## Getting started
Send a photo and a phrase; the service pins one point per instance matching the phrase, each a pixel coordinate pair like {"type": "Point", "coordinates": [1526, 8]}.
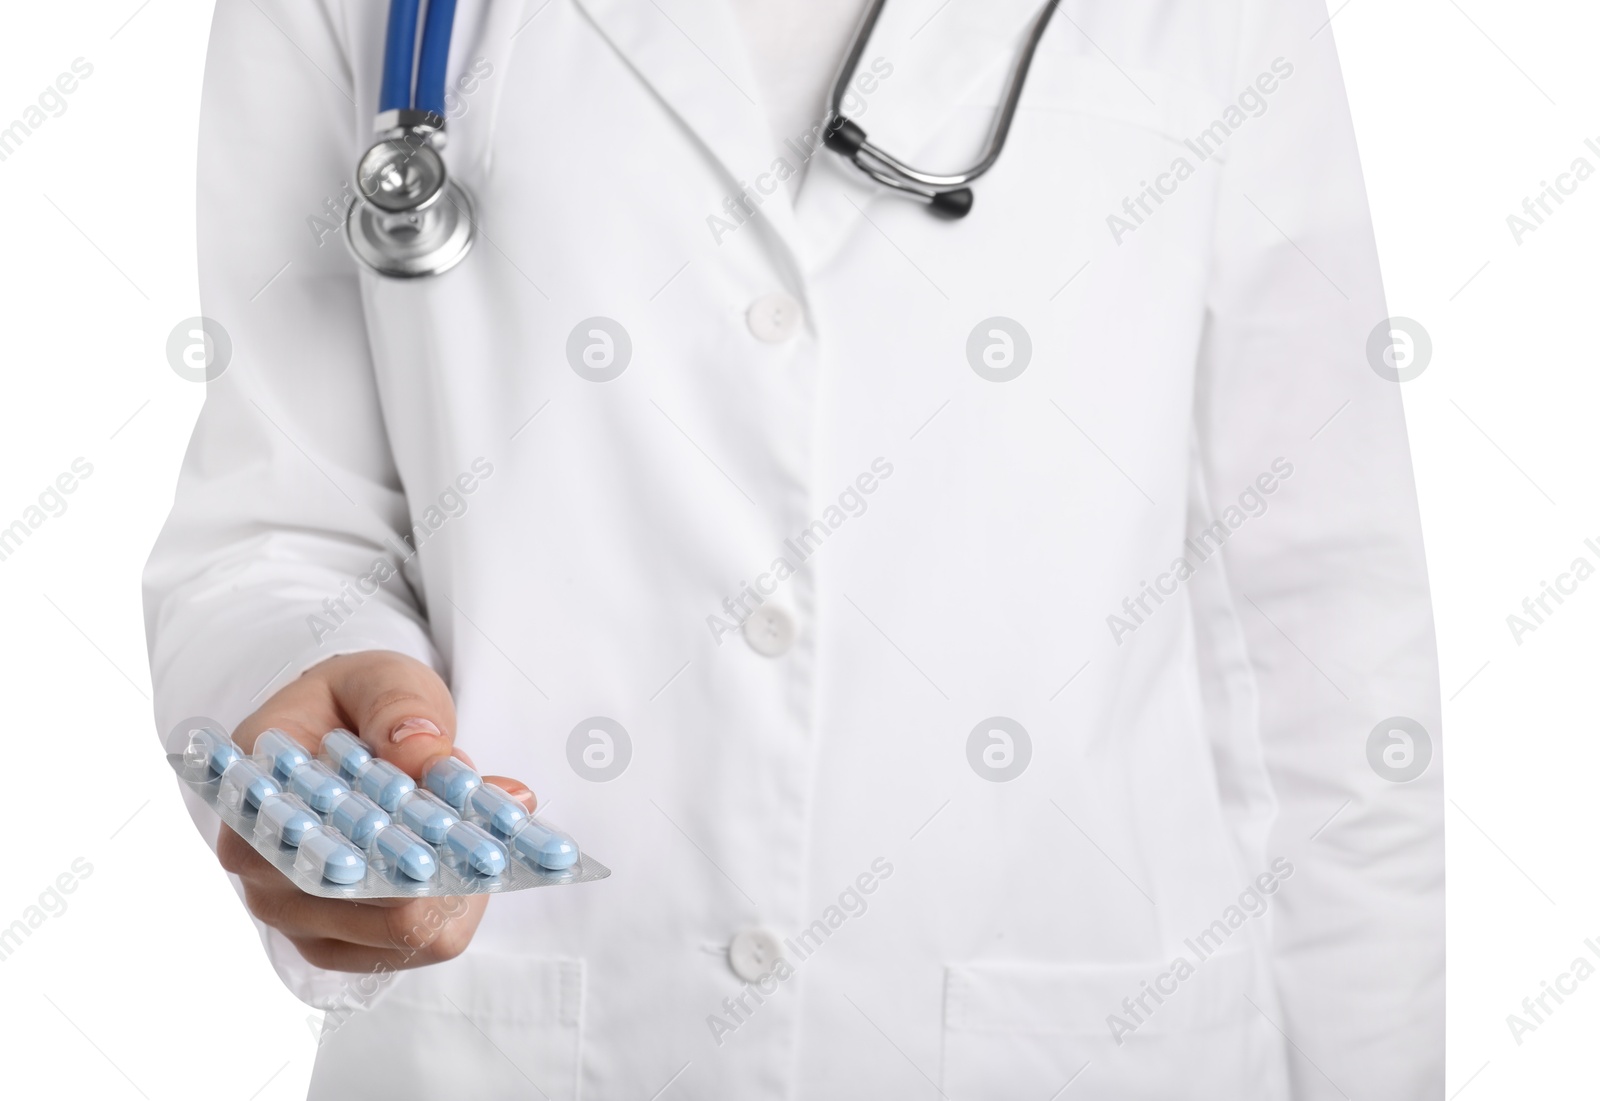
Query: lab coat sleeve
{"type": "Point", "coordinates": [1329, 584]}
{"type": "Point", "coordinates": [288, 496]}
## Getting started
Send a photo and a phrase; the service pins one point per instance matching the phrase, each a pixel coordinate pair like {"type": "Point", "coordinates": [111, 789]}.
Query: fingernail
{"type": "Point", "coordinates": [520, 792]}
{"type": "Point", "coordinates": [407, 727]}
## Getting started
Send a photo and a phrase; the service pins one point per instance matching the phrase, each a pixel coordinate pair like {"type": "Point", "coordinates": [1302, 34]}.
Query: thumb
{"type": "Point", "coordinates": [398, 706]}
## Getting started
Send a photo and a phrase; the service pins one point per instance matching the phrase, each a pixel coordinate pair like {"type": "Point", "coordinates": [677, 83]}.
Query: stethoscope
{"type": "Point", "coordinates": [410, 219]}
{"type": "Point", "coordinates": [950, 195]}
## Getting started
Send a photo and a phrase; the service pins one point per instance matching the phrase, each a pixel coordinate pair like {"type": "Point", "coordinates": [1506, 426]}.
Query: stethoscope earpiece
{"type": "Point", "coordinates": [952, 204]}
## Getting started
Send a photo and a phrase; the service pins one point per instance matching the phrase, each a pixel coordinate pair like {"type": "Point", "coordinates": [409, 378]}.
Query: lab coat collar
{"type": "Point", "coordinates": [694, 58]}
{"type": "Point", "coordinates": [959, 54]}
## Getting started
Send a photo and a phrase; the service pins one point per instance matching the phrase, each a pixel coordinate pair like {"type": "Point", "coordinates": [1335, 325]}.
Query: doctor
{"type": "Point", "coordinates": [993, 653]}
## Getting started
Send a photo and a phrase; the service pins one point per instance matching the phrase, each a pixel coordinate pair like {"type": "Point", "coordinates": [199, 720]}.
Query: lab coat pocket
{"type": "Point", "coordinates": [1026, 1030]}
{"type": "Point", "coordinates": [485, 1026]}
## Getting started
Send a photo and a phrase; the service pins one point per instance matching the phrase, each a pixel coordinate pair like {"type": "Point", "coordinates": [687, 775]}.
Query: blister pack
{"type": "Point", "coordinates": [346, 824]}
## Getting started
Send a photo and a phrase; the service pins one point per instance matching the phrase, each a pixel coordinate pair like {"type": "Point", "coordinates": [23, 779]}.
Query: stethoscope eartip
{"type": "Point", "coordinates": [952, 204]}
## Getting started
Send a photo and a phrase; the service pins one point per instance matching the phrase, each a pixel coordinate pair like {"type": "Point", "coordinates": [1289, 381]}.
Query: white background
{"type": "Point", "coordinates": [1463, 108]}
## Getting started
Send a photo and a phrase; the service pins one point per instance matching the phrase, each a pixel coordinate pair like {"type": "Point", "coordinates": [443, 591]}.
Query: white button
{"type": "Point", "coordinates": [774, 318]}
{"type": "Point", "coordinates": [754, 952]}
{"type": "Point", "coordinates": [769, 631]}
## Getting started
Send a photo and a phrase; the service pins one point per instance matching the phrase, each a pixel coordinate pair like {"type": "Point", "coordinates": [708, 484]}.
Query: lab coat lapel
{"type": "Point", "coordinates": [940, 61]}
{"type": "Point", "coordinates": [693, 56]}
{"type": "Point", "coordinates": [486, 32]}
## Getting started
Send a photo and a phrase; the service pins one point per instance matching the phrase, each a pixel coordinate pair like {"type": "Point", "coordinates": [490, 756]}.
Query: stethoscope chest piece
{"type": "Point", "coordinates": [409, 218]}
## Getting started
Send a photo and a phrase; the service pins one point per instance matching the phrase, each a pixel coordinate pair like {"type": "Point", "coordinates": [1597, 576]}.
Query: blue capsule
{"type": "Point", "coordinates": [451, 780]}
{"type": "Point", "coordinates": [541, 845]}
{"type": "Point", "coordinates": [357, 817]}
{"type": "Point", "coordinates": [316, 784]}
{"type": "Point", "coordinates": [500, 810]}
{"type": "Point", "coordinates": [346, 752]}
{"type": "Point", "coordinates": [405, 851]}
{"type": "Point", "coordinates": [471, 846]}
{"type": "Point", "coordinates": [383, 783]}
{"type": "Point", "coordinates": [285, 818]}
{"type": "Point", "coordinates": [282, 752]}
{"type": "Point", "coordinates": [427, 814]}
{"type": "Point", "coordinates": [244, 785]}
{"type": "Point", "coordinates": [326, 855]}
{"type": "Point", "coordinates": [212, 748]}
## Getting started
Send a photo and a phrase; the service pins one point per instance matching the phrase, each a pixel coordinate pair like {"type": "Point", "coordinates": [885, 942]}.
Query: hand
{"type": "Point", "coordinates": [403, 712]}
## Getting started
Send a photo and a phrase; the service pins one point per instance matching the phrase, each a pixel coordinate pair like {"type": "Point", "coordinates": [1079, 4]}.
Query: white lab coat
{"type": "Point", "coordinates": [1179, 751]}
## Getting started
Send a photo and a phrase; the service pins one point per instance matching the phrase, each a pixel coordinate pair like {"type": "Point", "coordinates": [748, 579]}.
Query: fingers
{"type": "Point", "coordinates": [298, 915]}
{"type": "Point", "coordinates": [342, 935]}
{"type": "Point", "coordinates": [337, 955]}
{"type": "Point", "coordinates": [403, 712]}
{"type": "Point", "coordinates": [403, 932]}
{"type": "Point", "coordinates": [304, 709]}
{"type": "Point", "coordinates": [516, 789]}
{"type": "Point", "coordinates": [333, 955]}
{"type": "Point", "coordinates": [239, 857]}
{"type": "Point", "coordinates": [415, 925]}
{"type": "Point", "coordinates": [398, 706]}
{"type": "Point", "coordinates": [270, 896]}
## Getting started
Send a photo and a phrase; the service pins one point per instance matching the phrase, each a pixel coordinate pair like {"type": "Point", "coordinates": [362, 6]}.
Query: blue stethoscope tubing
{"type": "Point", "coordinates": [400, 52]}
